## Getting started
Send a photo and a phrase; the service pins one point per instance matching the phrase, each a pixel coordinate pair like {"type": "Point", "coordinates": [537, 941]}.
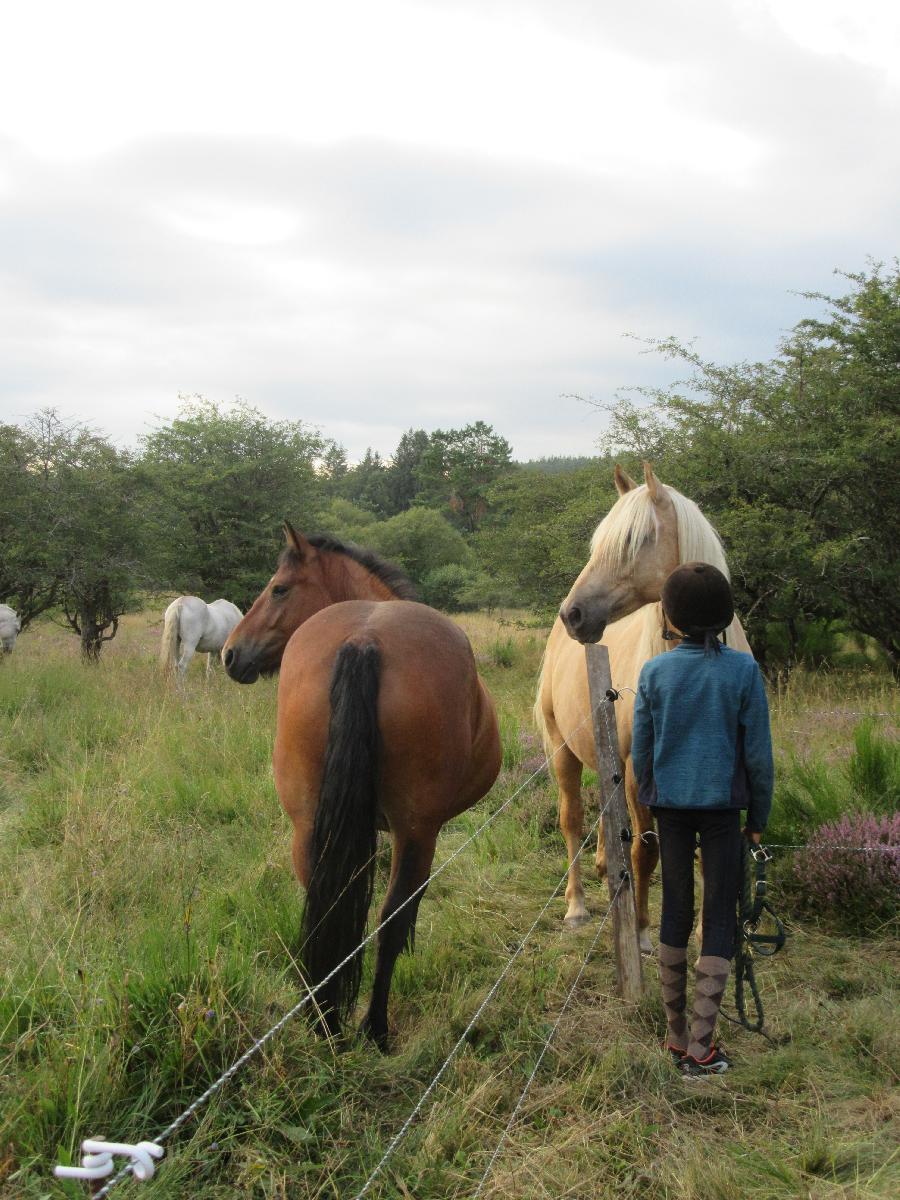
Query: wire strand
{"type": "Point", "coordinates": [407, 1124]}
{"type": "Point", "coordinates": [546, 1045]}
{"type": "Point", "coordinates": [308, 996]}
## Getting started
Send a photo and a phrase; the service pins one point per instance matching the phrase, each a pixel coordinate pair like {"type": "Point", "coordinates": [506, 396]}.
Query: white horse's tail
{"type": "Point", "coordinates": [168, 651]}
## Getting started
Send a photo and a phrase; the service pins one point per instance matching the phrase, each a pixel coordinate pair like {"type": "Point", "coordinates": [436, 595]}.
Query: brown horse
{"type": "Point", "coordinates": [383, 722]}
{"type": "Point", "coordinates": [615, 600]}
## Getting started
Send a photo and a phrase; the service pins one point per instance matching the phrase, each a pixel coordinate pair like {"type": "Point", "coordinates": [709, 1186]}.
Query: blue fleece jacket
{"type": "Point", "coordinates": [701, 735]}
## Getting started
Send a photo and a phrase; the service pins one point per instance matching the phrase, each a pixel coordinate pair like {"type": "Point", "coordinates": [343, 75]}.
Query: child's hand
{"type": "Point", "coordinates": [752, 835]}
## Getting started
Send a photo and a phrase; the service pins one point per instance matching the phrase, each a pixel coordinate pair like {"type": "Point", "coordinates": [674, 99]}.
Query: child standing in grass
{"type": "Point", "coordinates": [701, 752]}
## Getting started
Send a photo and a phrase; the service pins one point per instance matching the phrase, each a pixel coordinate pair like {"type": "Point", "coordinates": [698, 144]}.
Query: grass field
{"type": "Point", "coordinates": [147, 912]}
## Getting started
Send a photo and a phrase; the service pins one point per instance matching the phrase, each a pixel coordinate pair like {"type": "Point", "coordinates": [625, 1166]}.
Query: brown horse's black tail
{"type": "Point", "coordinates": [344, 834]}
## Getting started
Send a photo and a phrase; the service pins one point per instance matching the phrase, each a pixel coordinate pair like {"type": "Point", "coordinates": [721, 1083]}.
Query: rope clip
{"type": "Point", "coordinates": [97, 1160]}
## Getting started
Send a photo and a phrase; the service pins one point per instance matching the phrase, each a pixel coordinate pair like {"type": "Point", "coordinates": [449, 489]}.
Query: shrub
{"type": "Point", "coordinates": [445, 587]}
{"type": "Point", "coordinates": [419, 541]}
{"type": "Point", "coordinates": [503, 652]}
{"type": "Point", "coordinates": [856, 890]}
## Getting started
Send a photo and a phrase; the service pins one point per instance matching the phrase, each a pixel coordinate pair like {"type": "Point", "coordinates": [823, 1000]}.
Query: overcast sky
{"type": "Point", "coordinates": [373, 216]}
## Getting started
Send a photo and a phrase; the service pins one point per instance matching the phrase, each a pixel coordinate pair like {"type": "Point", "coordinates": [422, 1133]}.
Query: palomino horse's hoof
{"type": "Point", "coordinates": [576, 922]}
{"type": "Point", "coordinates": [645, 944]}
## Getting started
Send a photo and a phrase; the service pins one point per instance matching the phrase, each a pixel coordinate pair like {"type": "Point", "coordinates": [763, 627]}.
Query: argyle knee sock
{"type": "Point", "coordinates": [673, 980]}
{"type": "Point", "coordinates": [709, 988]}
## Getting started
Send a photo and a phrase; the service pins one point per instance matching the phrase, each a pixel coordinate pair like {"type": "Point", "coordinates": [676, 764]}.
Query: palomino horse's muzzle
{"type": "Point", "coordinates": [582, 624]}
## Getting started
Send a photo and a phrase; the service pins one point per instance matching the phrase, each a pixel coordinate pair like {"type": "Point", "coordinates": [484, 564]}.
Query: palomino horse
{"type": "Point", "coordinates": [10, 626]}
{"type": "Point", "coordinates": [382, 722]}
{"type": "Point", "coordinates": [192, 625]}
{"type": "Point", "coordinates": [615, 600]}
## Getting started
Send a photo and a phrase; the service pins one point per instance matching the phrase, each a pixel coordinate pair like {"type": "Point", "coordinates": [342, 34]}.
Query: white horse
{"type": "Point", "coordinates": [9, 628]}
{"type": "Point", "coordinates": [191, 625]}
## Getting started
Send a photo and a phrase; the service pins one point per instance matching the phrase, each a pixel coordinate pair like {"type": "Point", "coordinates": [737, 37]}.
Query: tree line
{"type": "Point", "coordinates": [793, 460]}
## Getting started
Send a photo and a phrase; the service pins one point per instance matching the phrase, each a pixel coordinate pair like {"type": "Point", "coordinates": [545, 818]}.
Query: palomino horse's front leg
{"type": "Point", "coordinates": [410, 864]}
{"type": "Point", "coordinates": [571, 822]}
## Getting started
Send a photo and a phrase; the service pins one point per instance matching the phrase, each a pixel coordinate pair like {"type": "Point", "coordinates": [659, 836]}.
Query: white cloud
{"type": "Point", "coordinates": [377, 216]}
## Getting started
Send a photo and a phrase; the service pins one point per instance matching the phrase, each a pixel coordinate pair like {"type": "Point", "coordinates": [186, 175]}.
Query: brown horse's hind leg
{"type": "Point", "coordinates": [571, 822]}
{"type": "Point", "coordinates": [644, 857]}
{"type": "Point", "coordinates": [410, 865]}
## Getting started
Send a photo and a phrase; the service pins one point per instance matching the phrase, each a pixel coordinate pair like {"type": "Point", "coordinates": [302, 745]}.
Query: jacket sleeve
{"type": "Point", "coordinates": [642, 731]}
{"type": "Point", "coordinates": [754, 716]}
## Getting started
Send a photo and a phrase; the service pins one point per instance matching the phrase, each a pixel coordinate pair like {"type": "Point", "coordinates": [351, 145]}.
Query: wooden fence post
{"type": "Point", "coordinates": [616, 824]}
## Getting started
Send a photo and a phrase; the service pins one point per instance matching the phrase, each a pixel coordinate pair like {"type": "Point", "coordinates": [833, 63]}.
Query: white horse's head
{"type": "Point", "coordinates": [641, 540]}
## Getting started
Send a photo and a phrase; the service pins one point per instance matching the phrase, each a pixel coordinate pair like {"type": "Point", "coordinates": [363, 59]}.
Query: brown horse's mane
{"type": "Point", "coordinates": [389, 574]}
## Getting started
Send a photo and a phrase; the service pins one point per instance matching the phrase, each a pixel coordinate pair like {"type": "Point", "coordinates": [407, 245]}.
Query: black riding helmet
{"type": "Point", "coordinates": [697, 598]}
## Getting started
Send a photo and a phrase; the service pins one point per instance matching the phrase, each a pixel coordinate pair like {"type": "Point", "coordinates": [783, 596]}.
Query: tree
{"type": "Point", "coordinates": [225, 479]}
{"type": "Point", "coordinates": [458, 468]}
{"type": "Point", "coordinates": [100, 543]}
{"type": "Point", "coordinates": [333, 466]}
{"type": "Point", "coordinates": [73, 526]}
{"type": "Point", "coordinates": [403, 472]}
{"type": "Point", "coordinates": [28, 515]}
{"type": "Point", "coordinates": [795, 462]}
{"type": "Point", "coordinates": [366, 485]}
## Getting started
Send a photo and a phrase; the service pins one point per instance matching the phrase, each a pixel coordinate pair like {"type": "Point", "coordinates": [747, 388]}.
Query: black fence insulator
{"type": "Point", "coordinates": [612, 695]}
{"type": "Point", "coordinates": [616, 778]}
{"type": "Point", "coordinates": [626, 835]}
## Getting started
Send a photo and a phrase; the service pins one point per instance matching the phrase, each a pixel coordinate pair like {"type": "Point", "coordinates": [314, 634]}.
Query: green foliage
{"type": "Point", "coordinates": [458, 468]}
{"type": "Point", "coordinates": [812, 791]}
{"type": "Point", "coordinates": [419, 540]}
{"type": "Point", "coordinates": [537, 534]}
{"type": "Point", "coordinates": [403, 472]}
{"type": "Point", "coordinates": [73, 526]}
{"type": "Point", "coordinates": [444, 587]}
{"type": "Point", "coordinates": [795, 463]}
{"type": "Point", "coordinates": [458, 588]}
{"type": "Point", "coordinates": [347, 521]}
{"type": "Point", "coordinates": [366, 485]}
{"type": "Point", "coordinates": [873, 769]}
{"type": "Point", "coordinates": [224, 480]}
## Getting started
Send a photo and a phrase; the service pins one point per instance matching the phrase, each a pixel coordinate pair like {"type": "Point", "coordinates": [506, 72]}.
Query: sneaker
{"type": "Point", "coordinates": [675, 1054]}
{"type": "Point", "coordinates": [715, 1063]}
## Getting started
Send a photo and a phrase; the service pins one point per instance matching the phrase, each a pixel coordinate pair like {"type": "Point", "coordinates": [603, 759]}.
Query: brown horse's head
{"type": "Point", "coordinates": [641, 540]}
{"type": "Point", "coordinates": [312, 573]}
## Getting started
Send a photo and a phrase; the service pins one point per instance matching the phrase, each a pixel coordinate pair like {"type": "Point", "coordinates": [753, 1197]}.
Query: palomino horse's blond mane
{"type": "Point", "coordinates": [632, 519]}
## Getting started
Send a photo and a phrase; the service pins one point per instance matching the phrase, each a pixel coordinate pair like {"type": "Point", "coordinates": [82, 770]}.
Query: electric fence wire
{"type": "Point", "coordinates": [546, 1046]}
{"type": "Point", "coordinates": [308, 996]}
{"type": "Point", "coordinates": [407, 1124]}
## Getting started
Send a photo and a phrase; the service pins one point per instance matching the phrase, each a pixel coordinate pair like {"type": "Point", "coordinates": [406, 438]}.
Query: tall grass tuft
{"type": "Point", "coordinates": [874, 769]}
{"type": "Point", "coordinates": [812, 791]}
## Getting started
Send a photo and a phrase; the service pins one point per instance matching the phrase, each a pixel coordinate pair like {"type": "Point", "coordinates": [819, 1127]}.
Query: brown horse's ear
{"type": "Point", "coordinates": [296, 541]}
{"type": "Point", "coordinates": [623, 481]}
{"type": "Point", "coordinates": [653, 484]}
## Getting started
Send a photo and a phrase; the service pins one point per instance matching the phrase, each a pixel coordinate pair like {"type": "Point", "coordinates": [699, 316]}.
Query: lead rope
{"type": "Point", "coordinates": [751, 905]}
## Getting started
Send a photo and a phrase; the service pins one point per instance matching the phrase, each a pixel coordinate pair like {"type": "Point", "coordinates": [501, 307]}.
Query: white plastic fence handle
{"type": "Point", "coordinates": [97, 1162]}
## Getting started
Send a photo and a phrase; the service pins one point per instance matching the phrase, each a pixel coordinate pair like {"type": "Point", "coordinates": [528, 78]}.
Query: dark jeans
{"type": "Point", "coordinates": [720, 855]}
